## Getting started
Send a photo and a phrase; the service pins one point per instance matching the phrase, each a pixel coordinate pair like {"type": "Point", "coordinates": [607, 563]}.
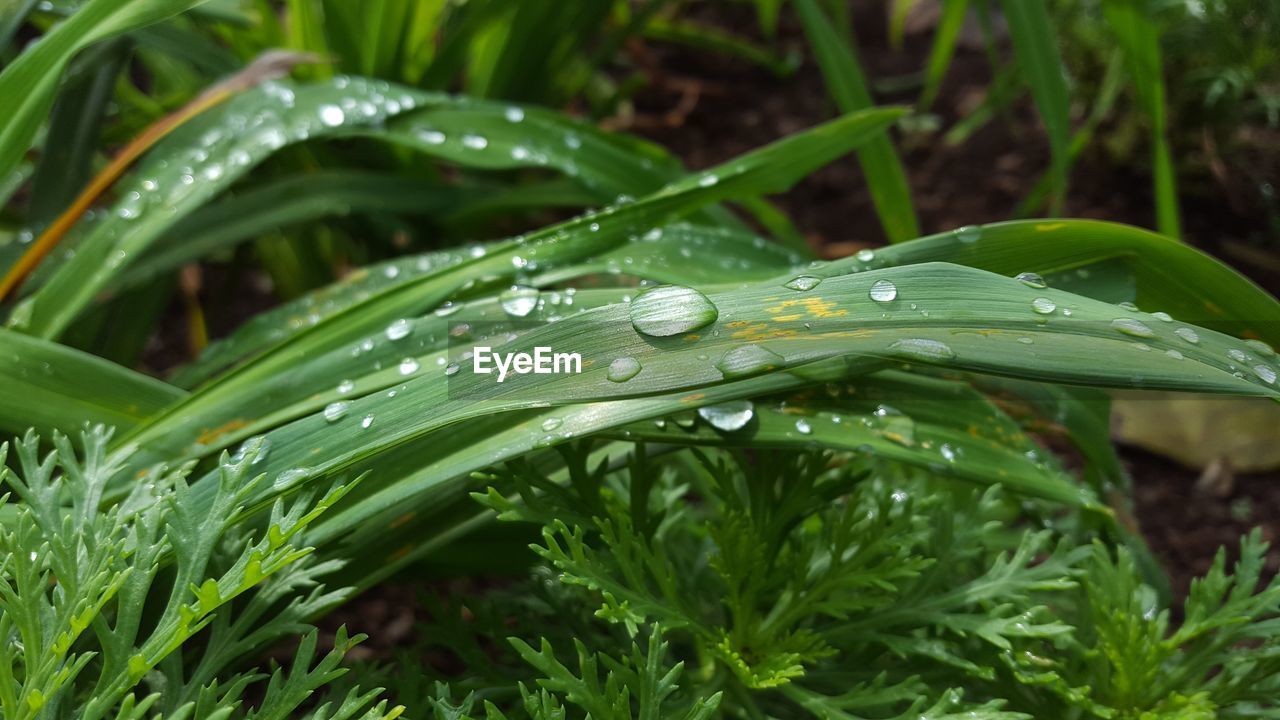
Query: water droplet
{"type": "Point", "coordinates": [447, 309]}
{"type": "Point", "coordinates": [968, 233]}
{"type": "Point", "coordinates": [514, 114]}
{"type": "Point", "coordinates": [1026, 340]}
{"type": "Point", "coordinates": [1031, 279]}
{"type": "Point", "coordinates": [623, 369]}
{"type": "Point", "coordinates": [332, 115]}
{"type": "Point", "coordinates": [475, 142]}
{"type": "Point", "coordinates": [1043, 305]}
{"type": "Point", "coordinates": [1187, 334]}
{"type": "Point", "coordinates": [1162, 316]}
{"type": "Point", "coordinates": [803, 283]}
{"type": "Point", "coordinates": [671, 310]}
{"type": "Point", "coordinates": [922, 349]}
{"type": "Point", "coordinates": [866, 255]}
{"type": "Point", "coordinates": [948, 453]}
{"type": "Point", "coordinates": [708, 180]}
{"type": "Point", "coordinates": [749, 360]}
{"type": "Point", "coordinates": [883, 291]}
{"type": "Point", "coordinates": [366, 421]}
{"type": "Point", "coordinates": [1265, 373]}
{"type": "Point", "coordinates": [345, 387]}
{"type": "Point", "coordinates": [431, 137]}
{"type": "Point", "coordinates": [408, 366]}
{"type": "Point", "coordinates": [519, 301]}
{"type": "Point", "coordinates": [1175, 354]}
{"type": "Point", "coordinates": [291, 477]}
{"type": "Point", "coordinates": [1129, 306]}
{"type": "Point", "coordinates": [399, 329]}
{"type": "Point", "coordinates": [728, 416]}
{"type": "Point", "coordinates": [551, 423]}
{"type": "Point", "coordinates": [452, 369]}
{"type": "Point", "coordinates": [803, 427]}
{"type": "Point", "coordinates": [335, 411]}
{"type": "Point", "coordinates": [1129, 326]}
{"type": "Point", "coordinates": [1261, 348]}
{"type": "Point", "coordinates": [1237, 355]}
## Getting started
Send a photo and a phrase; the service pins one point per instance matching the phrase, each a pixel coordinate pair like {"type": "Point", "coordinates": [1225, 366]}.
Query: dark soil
{"type": "Point", "coordinates": [709, 108]}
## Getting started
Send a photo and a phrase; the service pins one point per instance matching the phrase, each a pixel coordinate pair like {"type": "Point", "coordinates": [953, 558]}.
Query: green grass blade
{"type": "Point", "coordinates": [1036, 46]}
{"type": "Point", "coordinates": [1137, 33]}
{"type": "Point", "coordinates": [846, 82]}
{"type": "Point", "coordinates": [943, 49]}
{"type": "Point", "coordinates": [54, 387]}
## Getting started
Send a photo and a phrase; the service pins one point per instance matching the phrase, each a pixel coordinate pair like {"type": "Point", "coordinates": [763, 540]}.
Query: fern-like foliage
{"type": "Point", "coordinates": [146, 608]}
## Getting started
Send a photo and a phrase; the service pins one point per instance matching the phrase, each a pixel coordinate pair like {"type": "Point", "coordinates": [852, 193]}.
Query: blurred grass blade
{"type": "Point", "coordinates": [54, 387]}
{"type": "Point", "coordinates": [886, 178]}
{"type": "Point", "coordinates": [709, 38]}
{"type": "Point", "coordinates": [30, 81]}
{"type": "Point", "coordinates": [12, 16]}
{"type": "Point", "coordinates": [1138, 34]}
{"type": "Point", "coordinates": [943, 49]}
{"type": "Point", "coordinates": [1036, 46]}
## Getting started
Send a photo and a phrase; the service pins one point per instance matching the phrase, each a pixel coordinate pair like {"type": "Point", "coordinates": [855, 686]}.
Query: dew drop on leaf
{"type": "Point", "coordinates": [399, 329]}
{"type": "Point", "coordinates": [748, 360]}
{"type": "Point", "coordinates": [1043, 306]}
{"type": "Point", "coordinates": [335, 411]}
{"type": "Point", "coordinates": [408, 366]}
{"type": "Point", "coordinates": [366, 421]}
{"type": "Point", "coordinates": [1032, 280]}
{"type": "Point", "coordinates": [968, 233]}
{"type": "Point", "coordinates": [623, 369]}
{"type": "Point", "coordinates": [883, 291]}
{"type": "Point", "coordinates": [803, 283]}
{"type": "Point", "coordinates": [1237, 355]}
{"type": "Point", "coordinates": [922, 349]}
{"type": "Point", "coordinates": [332, 115]}
{"type": "Point", "coordinates": [345, 387]}
{"type": "Point", "coordinates": [1175, 354]}
{"type": "Point", "coordinates": [519, 301]}
{"type": "Point", "coordinates": [1265, 373]}
{"type": "Point", "coordinates": [1187, 334]}
{"type": "Point", "coordinates": [866, 255]}
{"type": "Point", "coordinates": [452, 369]}
{"type": "Point", "coordinates": [728, 416]}
{"type": "Point", "coordinates": [671, 310]}
{"type": "Point", "coordinates": [475, 142]}
{"type": "Point", "coordinates": [1162, 316]}
{"type": "Point", "coordinates": [1261, 348]}
{"type": "Point", "coordinates": [551, 423]}
{"type": "Point", "coordinates": [1132, 327]}
{"type": "Point", "coordinates": [803, 427]}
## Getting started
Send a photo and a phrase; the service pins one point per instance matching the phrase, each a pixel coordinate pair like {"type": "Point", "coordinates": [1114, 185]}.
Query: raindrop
{"type": "Point", "coordinates": [948, 453]}
{"type": "Point", "coordinates": [1031, 279]}
{"type": "Point", "coordinates": [748, 360]}
{"type": "Point", "coordinates": [452, 369]}
{"type": "Point", "coordinates": [708, 180]}
{"type": "Point", "coordinates": [551, 423]}
{"type": "Point", "coordinates": [514, 114]}
{"type": "Point", "coordinates": [291, 477]}
{"type": "Point", "coordinates": [130, 206]}
{"type": "Point", "coordinates": [519, 301]}
{"type": "Point", "coordinates": [1043, 305]}
{"type": "Point", "coordinates": [1187, 334]}
{"type": "Point", "coordinates": [1237, 355]}
{"type": "Point", "coordinates": [866, 255]}
{"type": "Point", "coordinates": [345, 387]}
{"type": "Point", "coordinates": [968, 233]}
{"type": "Point", "coordinates": [922, 349]}
{"type": "Point", "coordinates": [408, 366]}
{"type": "Point", "coordinates": [399, 329]}
{"type": "Point", "coordinates": [1129, 326]}
{"type": "Point", "coordinates": [1026, 340]}
{"type": "Point", "coordinates": [335, 411]}
{"type": "Point", "coordinates": [1265, 373]}
{"type": "Point", "coordinates": [1175, 354]}
{"type": "Point", "coordinates": [366, 421]}
{"type": "Point", "coordinates": [332, 115]}
{"type": "Point", "coordinates": [1129, 306]}
{"type": "Point", "coordinates": [728, 416]}
{"type": "Point", "coordinates": [671, 310]}
{"type": "Point", "coordinates": [883, 291]}
{"type": "Point", "coordinates": [475, 142]}
{"type": "Point", "coordinates": [431, 137]}
{"type": "Point", "coordinates": [623, 369]}
{"type": "Point", "coordinates": [447, 309]}
{"type": "Point", "coordinates": [1162, 316]}
{"type": "Point", "coordinates": [803, 427]}
{"type": "Point", "coordinates": [804, 282]}
{"type": "Point", "coordinates": [1261, 348]}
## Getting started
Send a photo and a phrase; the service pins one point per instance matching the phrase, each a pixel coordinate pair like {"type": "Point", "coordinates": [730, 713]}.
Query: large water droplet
{"type": "Point", "coordinates": [1162, 316]}
{"type": "Point", "coordinates": [728, 416]}
{"type": "Point", "coordinates": [335, 411]}
{"type": "Point", "coordinates": [399, 329]}
{"type": "Point", "coordinates": [1031, 279]}
{"type": "Point", "coordinates": [671, 310]}
{"type": "Point", "coordinates": [1187, 334]}
{"type": "Point", "coordinates": [1237, 355]}
{"type": "Point", "coordinates": [623, 369]}
{"type": "Point", "coordinates": [475, 142]}
{"type": "Point", "coordinates": [749, 360]}
{"type": "Point", "coordinates": [803, 427]}
{"type": "Point", "coordinates": [332, 115]}
{"type": "Point", "coordinates": [519, 301]}
{"type": "Point", "coordinates": [922, 349]}
{"type": "Point", "coordinates": [366, 421]}
{"type": "Point", "coordinates": [1129, 326]}
{"type": "Point", "coordinates": [291, 477]}
{"type": "Point", "coordinates": [1043, 306]}
{"type": "Point", "coordinates": [551, 423]}
{"type": "Point", "coordinates": [803, 283]}
{"type": "Point", "coordinates": [408, 366]}
{"type": "Point", "coordinates": [1261, 348]}
{"type": "Point", "coordinates": [1265, 373]}
{"type": "Point", "coordinates": [968, 233]}
{"type": "Point", "coordinates": [345, 387]}
{"type": "Point", "coordinates": [866, 255]}
{"type": "Point", "coordinates": [883, 291]}
{"type": "Point", "coordinates": [514, 114]}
